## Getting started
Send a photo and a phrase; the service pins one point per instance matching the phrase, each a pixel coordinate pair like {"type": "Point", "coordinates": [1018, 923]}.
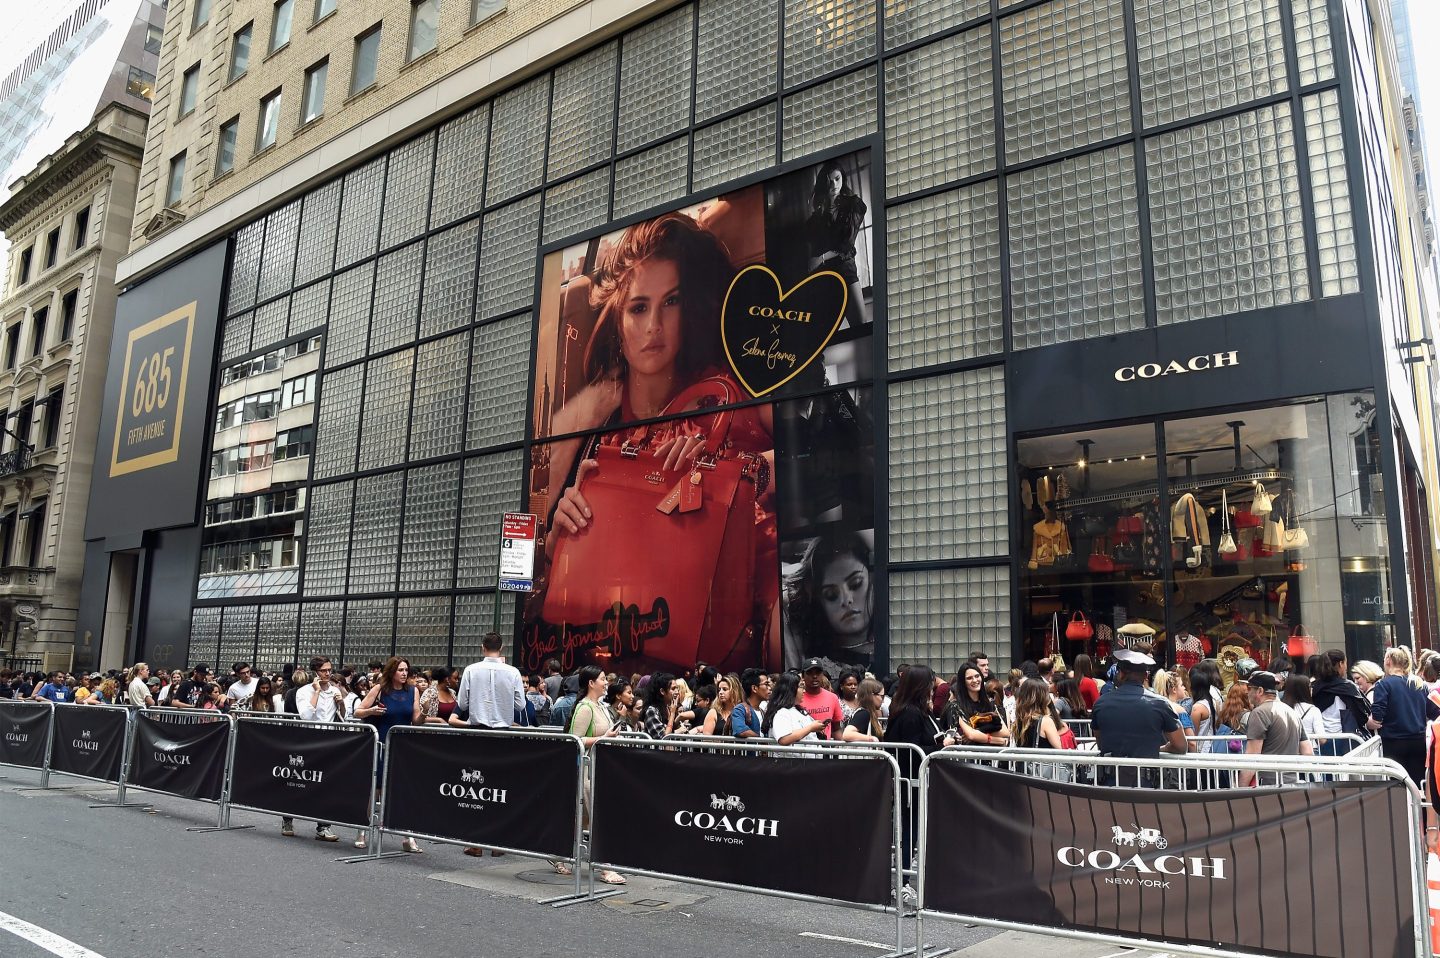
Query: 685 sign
{"type": "Point", "coordinates": [152, 393]}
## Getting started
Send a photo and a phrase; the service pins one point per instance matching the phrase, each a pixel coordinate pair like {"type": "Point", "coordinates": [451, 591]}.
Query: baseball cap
{"type": "Point", "coordinates": [1263, 680]}
{"type": "Point", "coordinates": [1246, 667]}
{"type": "Point", "coordinates": [202, 667]}
{"type": "Point", "coordinates": [812, 665]}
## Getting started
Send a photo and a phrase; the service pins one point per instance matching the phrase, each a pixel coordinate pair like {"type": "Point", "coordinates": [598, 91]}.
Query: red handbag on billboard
{"type": "Point", "coordinates": [1301, 643]}
{"type": "Point", "coordinates": [1079, 628]}
{"type": "Point", "coordinates": [683, 540]}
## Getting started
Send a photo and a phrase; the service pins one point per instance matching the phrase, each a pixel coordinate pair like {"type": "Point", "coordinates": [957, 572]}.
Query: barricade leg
{"type": "Point", "coordinates": [126, 756]}
{"type": "Point", "coordinates": [581, 853]}
{"type": "Point", "coordinates": [222, 822]}
{"type": "Point", "coordinates": [374, 834]}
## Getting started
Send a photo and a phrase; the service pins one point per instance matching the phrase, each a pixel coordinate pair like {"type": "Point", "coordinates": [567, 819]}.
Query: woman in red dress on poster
{"type": "Point", "coordinates": [660, 293]}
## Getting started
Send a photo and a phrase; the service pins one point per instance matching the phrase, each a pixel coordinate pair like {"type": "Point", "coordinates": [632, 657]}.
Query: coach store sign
{"type": "Point", "coordinates": [1307, 349]}
{"type": "Point", "coordinates": [1195, 364]}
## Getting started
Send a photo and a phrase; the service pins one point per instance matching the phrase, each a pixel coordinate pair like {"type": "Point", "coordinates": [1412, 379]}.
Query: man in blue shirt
{"type": "Point", "coordinates": [55, 689]}
{"type": "Point", "coordinates": [745, 718]}
{"type": "Point", "coordinates": [1130, 724]}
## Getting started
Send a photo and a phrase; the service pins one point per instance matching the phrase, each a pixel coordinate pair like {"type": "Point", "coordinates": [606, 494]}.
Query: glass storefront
{"type": "Point", "coordinates": [1256, 532]}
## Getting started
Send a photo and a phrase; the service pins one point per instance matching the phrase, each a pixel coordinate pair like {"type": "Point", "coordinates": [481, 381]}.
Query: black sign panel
{"type": "Point", "coordinates": [498, 790]}
{"type": "Point", "coordinates": [89, 740]}
{"type": "Point", "coordinates": [1220, 868]}
{"type": "Point", "coordinates": [23, 734]}
{"type": "Point", "coordinates": [305, 771]}
{"type": "Point", "coordinates": [1301, 350]}
{"type": "Point", "coordinates": [180, 758]}
{"type": "Point", "coordinates": [809, 826]}
{"type": "Point", "coordinates": [151, 441]}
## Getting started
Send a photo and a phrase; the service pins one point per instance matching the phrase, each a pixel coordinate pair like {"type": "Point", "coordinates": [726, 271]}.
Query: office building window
{"type": "Point", "coordinates": [68, 305]}
{"type": "Point", "coordinates": [297, 391]}
{"type": "Point", "coordinates": [225, 149]}
{"type": "Point", "coordinates": [202, 14]}
{"type": "Point", "coordinates": [12, 346]}
{"type": "Point", "coordinates": [37, 340]}
{"type": "Point", "coordinates": [175, 183]}
{"type": "Point", "coordinates": [189, 90]}
{"type": "Point", "coordinates": [424, 27]}
{"type": "Point", "coordinates": [141, 84]}
{"type": "Point", "coordinates": [52, 247]}
{"type": "Point", "coordinates": [269, 123]}
{"type": "Point", "coordinates": [485, 9]}
{"type": "Point", "coordinates": [240, 50]}
{"type": "Point", "coordinates": [294, 443]}
{"type": "Point", "coordinates": [367, 53]}
{"type": "Point", "coordinates": [24, 420]}
{"type": "Point", "coordinates": [82, 227]}
{"type": "Point", "coordinates": [35, 533]}
{"type": "Point", "coordinates": [280, 24]}
{"type": "Point", "coordinates": [314, 102]}
{"type": "Point", "coordinates": [323, 9]}
{"type": "Point", "coordinates": [154, 36]}
{"type": "Point", "coordinates": [27, 256]}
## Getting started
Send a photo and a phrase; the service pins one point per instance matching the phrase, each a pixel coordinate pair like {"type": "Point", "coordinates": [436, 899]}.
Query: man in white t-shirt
{"type": "Point", "coordinates": [320, 700]}
{"type": "Point", "coordinates": [138, 692]}
{"type": "Point", "coordinates": [491, 692]}
{"type": "Point", "coordinates": [243, 688]}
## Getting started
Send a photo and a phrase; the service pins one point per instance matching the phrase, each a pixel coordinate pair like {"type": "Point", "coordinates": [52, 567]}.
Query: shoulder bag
{"type": "Point", "coordinates": [1079, 629]}
{"type": "Point", "coordinates": [1260, 502]}
{"type": "Point", "coordinates": [680, 541]}
{"type": "Point", "coordinates": [1227, 545]}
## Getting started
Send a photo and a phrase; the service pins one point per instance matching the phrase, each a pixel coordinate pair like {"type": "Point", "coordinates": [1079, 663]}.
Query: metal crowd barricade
{"type": "Point", "coordinates": [1083, 728]}
{"type": "Point", "coordinates": [800, 752]}
{"type": "Point", "coordinates": [125, 754]}
{"type": "Point", "coordinates": [16, 705]}
{"type": "Point", "coordinates": [336, 728]}
{"type": "Point", "coordinates": [194, 716]}
{"type": "Point", "coordinates": [577, 855]}
{"type": "Point", "coordinates": [1281, 768]}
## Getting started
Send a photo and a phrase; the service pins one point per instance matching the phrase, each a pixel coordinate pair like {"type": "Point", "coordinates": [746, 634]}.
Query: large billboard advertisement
{"type": "Point", "coordinates": [704, 456]}
{"type": "Point", "coordinates": [151, 445]}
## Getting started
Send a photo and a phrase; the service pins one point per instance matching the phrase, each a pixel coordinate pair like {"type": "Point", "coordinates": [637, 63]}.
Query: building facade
{"type": "Point", "coordinates": [885, 332]}
{"type": "Point", "coordinates": [68, 221]}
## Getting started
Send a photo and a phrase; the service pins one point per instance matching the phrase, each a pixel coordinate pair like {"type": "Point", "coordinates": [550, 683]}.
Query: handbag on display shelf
{"type": "Point", "coordinates": [1294, 537]}
{"type": "Point", "coordinates": [1245, 519]}
{"type": "Point", "coordinates": [1227, 547]}
{"type": "Point", "coordinates": [1301, 643]}
{"type": "Point", "coordinates": [1260, 504]}
{"type": "Point", "coordinates": [683, 538]}
{"type": "Point", "coordinates": [1130, 525]}
{"type": "Point", "coordinates": [1099, 561]}
{"type": "Point", "coordinates": [1079, 628]}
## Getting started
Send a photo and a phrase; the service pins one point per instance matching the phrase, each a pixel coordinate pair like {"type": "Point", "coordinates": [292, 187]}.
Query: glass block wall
{"type": "Point", "coordinates": [1052, 171]}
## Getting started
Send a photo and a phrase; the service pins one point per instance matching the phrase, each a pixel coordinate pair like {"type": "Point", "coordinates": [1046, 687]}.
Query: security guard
{"type": "Point", "coordinates": [1130, 724]}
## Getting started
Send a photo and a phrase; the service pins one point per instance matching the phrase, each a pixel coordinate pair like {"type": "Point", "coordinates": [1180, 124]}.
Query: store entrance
{"type": "Point", "coordinates": [1225, 536]}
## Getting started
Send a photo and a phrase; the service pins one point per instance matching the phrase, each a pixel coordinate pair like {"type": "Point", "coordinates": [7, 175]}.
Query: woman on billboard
{"type": "Point", "coordinates": [666, 490]}
{"type": "Point", "coordinates": [829, 602]}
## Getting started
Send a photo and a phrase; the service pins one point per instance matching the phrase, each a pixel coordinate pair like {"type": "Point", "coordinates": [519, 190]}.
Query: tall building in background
{"type": "Point", "coordinates": [96, 53]}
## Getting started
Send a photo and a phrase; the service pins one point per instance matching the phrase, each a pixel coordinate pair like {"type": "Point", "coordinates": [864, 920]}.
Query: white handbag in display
{"type": "Point", "coordinates": [1227, 546]}
{"type": "Point", "coordinates": [1260, 505]}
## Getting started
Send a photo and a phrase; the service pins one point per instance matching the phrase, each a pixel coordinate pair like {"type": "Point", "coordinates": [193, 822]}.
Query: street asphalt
{"type": "Point", "coordinates": [133, 883]}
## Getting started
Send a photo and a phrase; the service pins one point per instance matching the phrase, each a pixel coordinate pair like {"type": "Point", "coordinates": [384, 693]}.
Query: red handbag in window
{"type": "Point", "coordinates": [1079, 628]}
{"type": "Point", "coordinates": [1130, 525]}
{"type": "Point", "coordinates": [673, 546]}
{"type": "Point", "coordinates": [1099, 560]}
{"type": "Point", "coordinates": [1301, 643]}
{"type": "Point", "coordinates": [1245, 519]}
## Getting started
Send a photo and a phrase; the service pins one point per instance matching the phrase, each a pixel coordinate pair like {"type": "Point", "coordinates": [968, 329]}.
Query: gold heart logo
{"type": "Point", "coordinates": [771, 335]}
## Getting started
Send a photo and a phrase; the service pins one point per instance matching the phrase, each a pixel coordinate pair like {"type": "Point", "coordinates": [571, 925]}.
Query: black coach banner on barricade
{"type": "Point", "coordinates": [181, 758]}
{"type": "Point", "coordinates": [24, 734]}
{"type": "Point", "coordinates": [320, 772]}
{"type": "Point", "coordinates": [1322, 871]}
{"type": "Point", "coordinates": [769, 823]}
{"type": "Point", "coordinates": [89, 740]}
{"type": "Point", "coordinates": [506, 790]}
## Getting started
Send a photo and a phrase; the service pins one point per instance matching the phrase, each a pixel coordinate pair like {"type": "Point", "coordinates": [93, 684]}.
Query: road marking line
{"type": "Point", "coordinates": [848, 941]}
{"type": "Point", "coordinates": [51, 942]}
{"type": "Point", "coordinates": [1127, 951]}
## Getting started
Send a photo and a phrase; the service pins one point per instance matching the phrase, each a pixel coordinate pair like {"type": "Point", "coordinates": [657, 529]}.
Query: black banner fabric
{"type": "Point", "coordinates": [507, 791]}
{"type": "Point", "coordinates": [23, 734]}
{"type": "Point", "coordinates": [818, 827]}
{"type": "Point", "coordinates": [1321, 872]}
{"type": "Point", "coordinates": [303, 771]}
{"type": "Point", "coordinates": [180, 758]}
{"type": "Point", "coordinates": [89, 740]}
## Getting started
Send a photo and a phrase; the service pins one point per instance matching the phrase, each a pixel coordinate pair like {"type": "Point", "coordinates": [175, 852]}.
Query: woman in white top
{"type": "Point", "coordinates": [783, 721]}
{"type": "Point", "coordinates": [1297, 696]}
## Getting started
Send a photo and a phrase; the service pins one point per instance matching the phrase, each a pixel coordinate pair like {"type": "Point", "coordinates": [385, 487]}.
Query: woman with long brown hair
{"type": "Point", "coordinates": [390, 702]}
{"type": "Point", "coordinates": [1035, 725]}
{"type": "Point", "coordinates": [728, 695]}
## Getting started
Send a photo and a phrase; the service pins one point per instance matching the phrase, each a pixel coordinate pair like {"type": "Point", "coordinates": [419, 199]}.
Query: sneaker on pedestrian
{"type": "Point", "coordinates": [287, 827]}
{"type": "Point", "coordinates": [324, 834]}
{"type": "Point", "coordinates": [411, 846]}
{"type": "Point", "coordinates": [359, 839]}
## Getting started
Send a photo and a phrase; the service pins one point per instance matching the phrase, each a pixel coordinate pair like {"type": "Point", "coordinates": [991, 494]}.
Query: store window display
{"type": "Point", "coordinates": [1245, 533]}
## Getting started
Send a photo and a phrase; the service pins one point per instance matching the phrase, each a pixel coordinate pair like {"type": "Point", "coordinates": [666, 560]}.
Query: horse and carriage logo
{"type": "Point", "coordinates": [1140, 837]}
{"type": "Point", "coordinates": [297, 761]}
{"type": "Point", "coordinates": [472, 776]}
{"type": "Point", "coordinates": [726, 803]}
